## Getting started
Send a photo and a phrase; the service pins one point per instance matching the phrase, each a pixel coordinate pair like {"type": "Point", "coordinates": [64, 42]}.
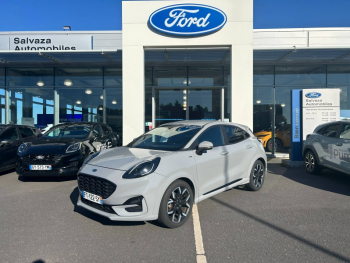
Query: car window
{"type": "Point", "coordinates": [345, 132]}
{"type": "Point", "coordinates": [97, 131]}
{"type": "Point", "coordinates": [73, 132]}
{"type": "Point", "coordinates": [10, 135]}
{"type": "Point", "coordinates": [213, 135]}
{"type": "Point", "coordinates": [235, 134]}
{"type": "Point", "coordinates": [330, 131]}
{"type": "Point", "coordinates": [25, 132]}
{"type": "Point", "coordinates": [105, 129]}
{"type": "Point", "coordinates": [166, 138]}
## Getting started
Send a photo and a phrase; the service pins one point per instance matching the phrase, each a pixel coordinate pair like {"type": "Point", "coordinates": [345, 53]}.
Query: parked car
{"type": "Point", "coordinates": [160, 174]}
{"type": "Point", "coordinates": [63, 149]}
{"type": "Point", "coordinates": [12, 136]}
{"type": "Point", "coordinates": [282, 138]}
{"type": "Point", "coordinates": [328, 147]}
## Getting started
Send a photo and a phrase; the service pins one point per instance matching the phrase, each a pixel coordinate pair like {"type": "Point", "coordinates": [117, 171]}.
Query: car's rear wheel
{"type": "Point", "coordinates": [278, 145]}
{"type": "Point", "coordinates": [311, 164]}
{"type": "Point", "coordinates": [176, 205]}
{"type": "Point", "coordinates": [257, 176]}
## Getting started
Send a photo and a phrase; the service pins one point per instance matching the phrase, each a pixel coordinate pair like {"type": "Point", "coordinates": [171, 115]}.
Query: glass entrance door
{"type": "Point", "coordinates": [171, 105]}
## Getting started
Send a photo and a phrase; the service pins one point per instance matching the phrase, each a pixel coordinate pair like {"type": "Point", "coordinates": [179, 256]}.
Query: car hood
{"type": "Point", "coordinates": [123, 158]}
{"type": "Point", "coordinates": [262, 133]}
{"type": "Point", "coordinates": [50, 146]}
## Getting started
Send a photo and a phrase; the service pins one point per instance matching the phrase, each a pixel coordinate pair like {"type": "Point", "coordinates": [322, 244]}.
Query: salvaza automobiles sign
{"type": "Point", "coordinates": [188, 19]}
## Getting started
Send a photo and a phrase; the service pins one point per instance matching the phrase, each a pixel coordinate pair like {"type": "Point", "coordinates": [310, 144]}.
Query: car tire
{"type": "Point", "coordinates": [278, 145]}
{"type": "Point", "coordinates": [172, 212]}
{"type": "Point", "coordinates": [257, 176]}
{"type": "Point", "coordinates": [311, 164]}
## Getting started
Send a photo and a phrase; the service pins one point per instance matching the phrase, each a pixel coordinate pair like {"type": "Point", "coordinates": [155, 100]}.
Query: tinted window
{"type": "Point", "coordinates": [330, 131]}
{"type": "Point", "coordinates": [166, 138]}
{"type": "Point", "coordinates": [345, 132]}
{"type": "Point", "coordinates": [235, 134]}
{"type": "Point", "coordinates": [97, 131]}
{"type": "Point", "coordinates": [74, 132]}
{"type": "Point", "coordinates": [105, 129]}
{"type": "Point", "coordinates": [213, 135]}
{"type": "Point", "coordinates": [10, 135]}
{"type": "Point", "coordinates": [26, 132]}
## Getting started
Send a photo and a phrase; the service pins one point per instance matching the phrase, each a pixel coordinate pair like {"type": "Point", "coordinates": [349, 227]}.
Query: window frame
{"type": "Point", "coordinates": [339, 131]}
{"type": "Point", "coordinates": [326, 126]}
{"type": "Point", "coordinates": [23, 127]}
{"type": "Point", "coordinates": [195, 144]}
{"type": "Point", "coordinates": [11, 128]}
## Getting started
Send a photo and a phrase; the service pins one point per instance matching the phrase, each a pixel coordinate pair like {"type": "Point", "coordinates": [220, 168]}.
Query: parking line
{"type": "Point", "coordinates": [201, 258]}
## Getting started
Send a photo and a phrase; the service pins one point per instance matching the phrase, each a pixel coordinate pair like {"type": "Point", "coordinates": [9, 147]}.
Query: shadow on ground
{"type": "Point", "coordinates": [327, 180]}
{"type": "Point", "coordinates": [98, 218]}
{"type": "Point", "coordinates": [7, 172]}
{"type": "Point", "coordinates": [47, 178]}
{"type": "Point", "coordinates": [283, 231]}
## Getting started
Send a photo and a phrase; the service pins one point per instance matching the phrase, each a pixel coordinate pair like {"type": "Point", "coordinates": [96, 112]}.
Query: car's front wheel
{"type": "Point", "coordinates": [311, 164]}
{"type": "Point", "coordinates": [257, 176]}
{"type": "Point", "coordinates": [176, 205]}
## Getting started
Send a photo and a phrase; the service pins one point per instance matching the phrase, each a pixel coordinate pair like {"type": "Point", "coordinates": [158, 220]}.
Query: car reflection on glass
{"type": "Point", "coordinates": [282, 138]}
{"type": "Point", "coordinates": [63, 149]}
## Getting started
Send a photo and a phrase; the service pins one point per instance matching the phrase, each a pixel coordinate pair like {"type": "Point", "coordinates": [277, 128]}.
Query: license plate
{"type": "Point", "coordinates": [91, 197]}
{"type": "Point", "coordinates": [40, 167]}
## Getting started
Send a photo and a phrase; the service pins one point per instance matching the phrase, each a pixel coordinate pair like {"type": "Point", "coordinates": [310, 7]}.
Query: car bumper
{"type": "Point", "coordinates": [116, 206]}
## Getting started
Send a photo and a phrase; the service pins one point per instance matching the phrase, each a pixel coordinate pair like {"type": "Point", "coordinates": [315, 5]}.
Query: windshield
{"type": "Point", "coordinates": [166, 138]}
{"type": "Point", "coordinates": [71, 132]}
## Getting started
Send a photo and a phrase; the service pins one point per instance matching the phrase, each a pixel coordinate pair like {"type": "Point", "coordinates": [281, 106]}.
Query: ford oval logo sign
{"type": "Point", "coordinates": [313, 95]}
{"type": "Point", "coordinates": [188, 19]}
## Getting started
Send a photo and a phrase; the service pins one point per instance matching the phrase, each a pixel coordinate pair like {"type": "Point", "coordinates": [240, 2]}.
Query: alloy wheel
{"type": "Point", "coordinates": [178, 205]}
{"type": "Point", "coordinates": [258, 175]}
{"type": "Point", "coordinates": [309, 162]}
{"type": "Point", "coordinates": [278, 145]}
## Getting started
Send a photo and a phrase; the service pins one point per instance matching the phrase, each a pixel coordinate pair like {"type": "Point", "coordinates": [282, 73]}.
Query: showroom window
{"type": "Point", "coordinates": [40, 77]}
{"type": "Point", "coordinates": [79, 77]}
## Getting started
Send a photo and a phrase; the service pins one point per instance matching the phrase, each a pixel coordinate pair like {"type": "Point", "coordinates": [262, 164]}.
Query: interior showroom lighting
{"type": "Point", "coordinates": [78, 102]}
{"type": "Point", "coordinates": [101, 97]}
{"type": "Point", "coordinates": [68, 82]}
{"type": "Point", "coordinates": [114, 102]}
{"type": "Point", "coordinates": [40, 83]}
{"type": "Point", "coordinates": [88, 91]}
{"type": "Point", "coordinates": [100, 108]}
{"type": "Point", "coordinates": [258, 101]}
{"type": "Point", "coordinates": [283, 105]}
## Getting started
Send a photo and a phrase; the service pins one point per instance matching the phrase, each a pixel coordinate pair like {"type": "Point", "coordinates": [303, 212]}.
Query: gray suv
{"type": "Point", "coordinates": [328, 147]}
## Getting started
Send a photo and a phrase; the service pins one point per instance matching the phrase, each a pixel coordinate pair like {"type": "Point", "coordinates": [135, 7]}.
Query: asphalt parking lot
{"type": "Point", "coordinates": [296, 217]}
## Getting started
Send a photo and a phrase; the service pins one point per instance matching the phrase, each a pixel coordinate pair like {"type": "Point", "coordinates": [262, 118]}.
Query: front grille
{"type": "Point", "coordinates": [96, 185]}
{"type": "Point", "coordinates": [104, 208]}
{"type": "Point", "coordinates": [43, 158]}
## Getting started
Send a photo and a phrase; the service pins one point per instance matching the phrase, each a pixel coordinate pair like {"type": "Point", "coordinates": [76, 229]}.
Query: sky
{"type": "Point", "coordinates": [52, 15]}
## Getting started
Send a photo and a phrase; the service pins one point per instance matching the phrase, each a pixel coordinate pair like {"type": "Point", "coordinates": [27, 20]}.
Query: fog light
{"type": "Point", "coordinates": [137, 201]}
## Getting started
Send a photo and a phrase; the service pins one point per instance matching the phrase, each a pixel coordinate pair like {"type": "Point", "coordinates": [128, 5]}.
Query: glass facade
{"type": "Point", "coordinates": [272, 100]}
{"type": "Point", "coordinates": [91, 94]}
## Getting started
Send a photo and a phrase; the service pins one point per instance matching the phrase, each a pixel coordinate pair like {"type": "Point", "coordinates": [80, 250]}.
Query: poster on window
{"type": "Point", "coordinates": [319, 106]}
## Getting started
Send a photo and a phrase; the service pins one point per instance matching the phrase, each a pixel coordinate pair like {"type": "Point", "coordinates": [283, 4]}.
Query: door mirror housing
{"type": "Point", "coordinates": [204, 146]}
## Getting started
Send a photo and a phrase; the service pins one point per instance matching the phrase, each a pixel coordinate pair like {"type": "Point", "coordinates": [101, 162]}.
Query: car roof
{"type": "Point", "coordinates": [78, 123]}
{"type": "Point", "coordinates": [203, 123]}
{"type": "Point", "coordinates": [15, 125]}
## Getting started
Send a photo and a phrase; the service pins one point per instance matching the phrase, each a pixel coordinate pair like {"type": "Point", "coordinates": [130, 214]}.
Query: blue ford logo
{"type": "Point", "coordinates": [188, 19]}
{"type": "Point", "coordinates": [94, 170]}
{"type": "Point", "coordinates": [313, 95]}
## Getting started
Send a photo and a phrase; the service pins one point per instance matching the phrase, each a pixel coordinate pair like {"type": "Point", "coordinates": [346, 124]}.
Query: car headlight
{"type": "Point", "coordinates": [142, 169]}
{"type": "Point", "coordinates": [23, 147]}
{"type": "Point", "coordinates": [73, 148]}
{"type": "Point", "coordinates": [89, 158]}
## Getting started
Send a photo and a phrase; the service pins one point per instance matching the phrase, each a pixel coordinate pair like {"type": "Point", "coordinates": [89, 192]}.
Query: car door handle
{"type": "Point", "coordinates": [224, 153]}
{"type": "Point", "coordinates": [249, 147]}
{"type": "Point", "coordinates": [339, 144]}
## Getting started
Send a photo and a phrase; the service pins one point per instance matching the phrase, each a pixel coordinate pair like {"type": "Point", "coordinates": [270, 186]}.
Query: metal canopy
{"type": "Point", "coordinates": [60, 57]}
{"type": "Point", "coordinates": [302, 56]}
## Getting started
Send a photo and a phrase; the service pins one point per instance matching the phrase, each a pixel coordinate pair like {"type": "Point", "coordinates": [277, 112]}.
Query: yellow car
{"type": "Point", "coordinates": [282, 140]}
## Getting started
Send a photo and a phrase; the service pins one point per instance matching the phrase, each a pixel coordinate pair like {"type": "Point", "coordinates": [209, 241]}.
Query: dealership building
{"type": "Point", "coordinates": [171, 62]}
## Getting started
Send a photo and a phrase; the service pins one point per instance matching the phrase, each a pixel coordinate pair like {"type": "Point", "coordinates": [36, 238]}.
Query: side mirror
{"type": "Point", "coordinates": [204, 146]}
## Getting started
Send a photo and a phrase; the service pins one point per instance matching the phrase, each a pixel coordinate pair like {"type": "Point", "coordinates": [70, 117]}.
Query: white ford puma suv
{"type": "Point", "coordinates": [162, 173]}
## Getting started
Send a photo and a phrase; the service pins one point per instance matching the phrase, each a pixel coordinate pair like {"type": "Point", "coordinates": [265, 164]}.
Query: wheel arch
{"type": "Point", "coordinates": [312, 149]}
